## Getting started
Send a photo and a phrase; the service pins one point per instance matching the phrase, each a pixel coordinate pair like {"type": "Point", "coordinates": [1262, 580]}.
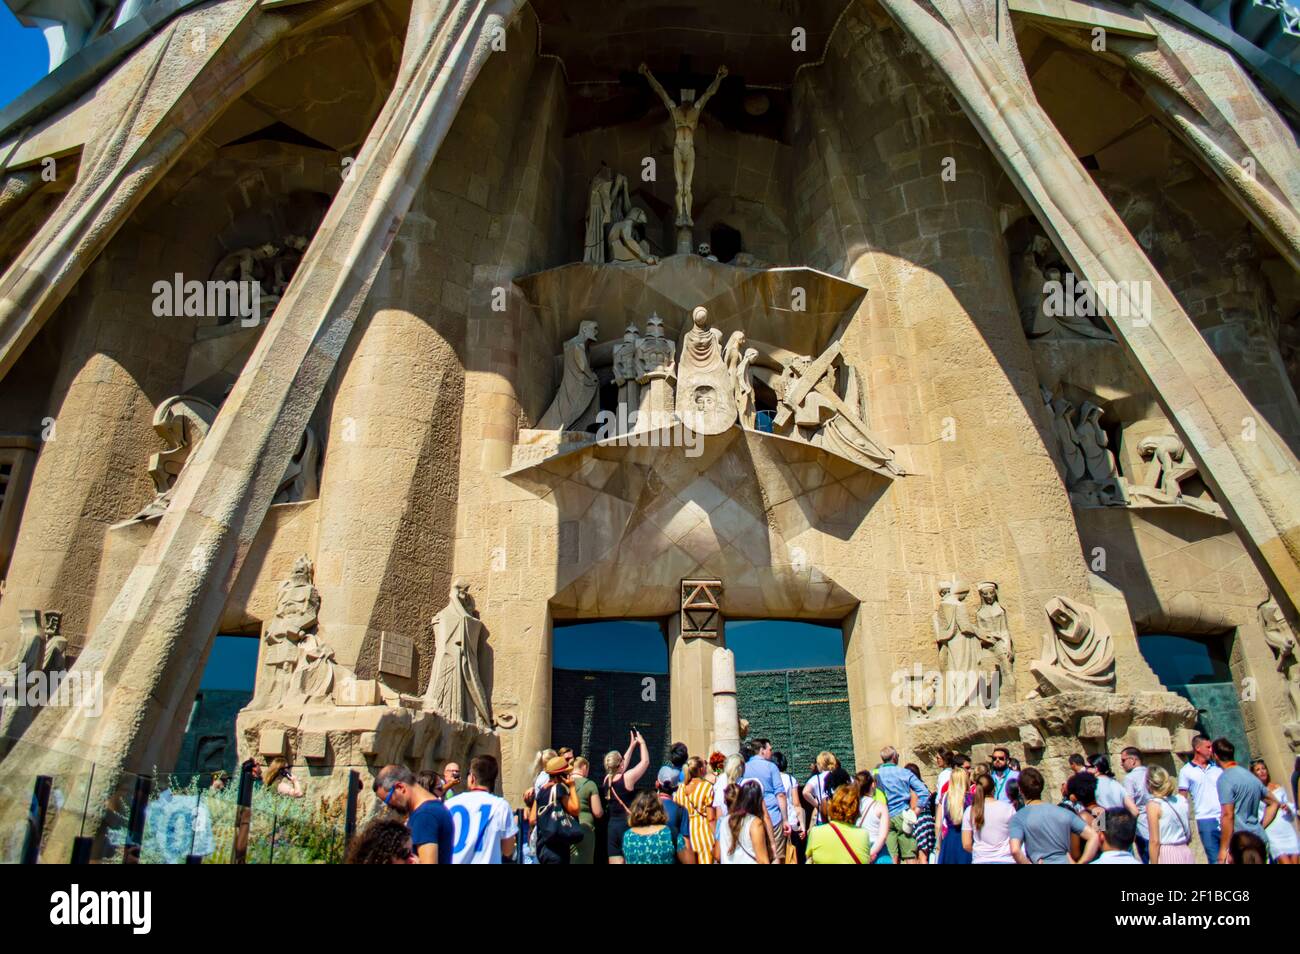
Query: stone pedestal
{"type": "Point", "coordinates": [1044, 732]}
{"type": "Point", "coordinates": [684, 239]}
{"type": "Point", "coordinates": [690, 667]}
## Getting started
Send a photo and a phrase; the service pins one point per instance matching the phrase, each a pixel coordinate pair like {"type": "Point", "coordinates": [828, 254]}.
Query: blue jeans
{"type": "Point", "coordinates": [1144, 849]}
{"type": "Point", "coordinates": [1208, 829]}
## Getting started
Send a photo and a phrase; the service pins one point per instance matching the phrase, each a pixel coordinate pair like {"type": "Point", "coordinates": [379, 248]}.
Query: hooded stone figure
{"type": "Point", "coordinates": [1095, 443]}
{"type": "Point", "coordinates": [455, 688]}
{"type": "Point", "coordinates": [1079, 652]}
{"type": "Point", "coordinates": [607, 203]}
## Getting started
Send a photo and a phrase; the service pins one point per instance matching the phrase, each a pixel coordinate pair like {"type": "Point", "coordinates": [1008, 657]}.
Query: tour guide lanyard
{"type": "Point", "coordinates": [1000, 784]}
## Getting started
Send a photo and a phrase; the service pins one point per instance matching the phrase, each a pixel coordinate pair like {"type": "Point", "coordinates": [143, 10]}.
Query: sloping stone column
{"type": "Point", "coordinates": [1204, 96]}
{"type": "Point", "coordinates": [159, 630]}
{"type": "Point", "coordinates": [1253, 474]}
{"type": "Point", "coordinates": [163, 98]}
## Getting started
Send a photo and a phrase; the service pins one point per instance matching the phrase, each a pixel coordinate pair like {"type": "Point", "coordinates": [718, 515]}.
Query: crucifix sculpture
{"type": "Point", "coordinates": [684, 117]}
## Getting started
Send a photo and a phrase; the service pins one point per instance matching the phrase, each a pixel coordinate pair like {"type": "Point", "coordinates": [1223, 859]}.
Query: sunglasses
{"type": "Point", "coordinates": [389, 797]}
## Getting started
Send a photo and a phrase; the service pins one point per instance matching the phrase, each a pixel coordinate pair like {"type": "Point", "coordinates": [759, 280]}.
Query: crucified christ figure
{"type": "Point", "coordinates": [685, 117]}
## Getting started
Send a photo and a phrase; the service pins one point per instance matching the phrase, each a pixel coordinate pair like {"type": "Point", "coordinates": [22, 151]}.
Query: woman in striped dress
{"type": "Point", "coordinates": [696, 796]}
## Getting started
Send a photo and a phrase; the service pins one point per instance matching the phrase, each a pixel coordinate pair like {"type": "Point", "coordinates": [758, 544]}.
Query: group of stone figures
{"type": "Point", "coordinates": [708, 387]}
{"type": "Point", "coordinates": [299, 668]}
{"type": "Point", "coordinates": [271, 266]}
{"type": "Point", "coordinates": [1091, 475]}
{"type": "Point", "coordinates": [977, 656]}
{"type": "Point", "coordinates": [612, 221]}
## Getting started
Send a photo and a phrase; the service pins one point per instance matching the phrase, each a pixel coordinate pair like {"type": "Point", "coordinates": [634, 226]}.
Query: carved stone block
{"type": "Point", "coordinates": [1092, 727]}
{"type": "Point", "coordinates": [350, 691]}
{"type": "Point", "coordinates": [396, 653]}
{"type": "Point", "coordinates": [1150, 738]}
{"type": "Point", "coordinates": [368, 743]}
{"type": "Point", "coordinates": [700, 609]}
{"type": "Point", "coordinates": [312, 745]}
{"type": "Point", "coordinates": [272, 742]}
{"type": "Point", "coordinates": [1031, 738]}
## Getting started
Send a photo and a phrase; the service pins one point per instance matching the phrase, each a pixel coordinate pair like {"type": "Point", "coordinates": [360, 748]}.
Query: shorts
{"type": "Point", "coordinates": [584, 852]}
{"type": "Point", "coordinates": [614, 837]}
{"type": "Point", "coordinates": [779, 842]}
{"type": "Point", "coordinates": [900, 845]}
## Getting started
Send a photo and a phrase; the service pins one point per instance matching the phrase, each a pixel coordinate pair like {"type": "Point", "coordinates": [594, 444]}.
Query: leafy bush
{"type": "Point", "coordinates": [282, 830]}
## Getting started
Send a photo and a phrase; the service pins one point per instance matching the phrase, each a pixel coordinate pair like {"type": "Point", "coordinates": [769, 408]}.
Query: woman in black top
{"type": "Point", "coordinates": [619, 788]}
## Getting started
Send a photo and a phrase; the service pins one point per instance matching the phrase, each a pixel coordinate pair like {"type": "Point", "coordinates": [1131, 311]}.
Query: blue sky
{"type": "Point", "coordinates": [23, 53]}
{"type": "Point", "coordinates": [629, 646]}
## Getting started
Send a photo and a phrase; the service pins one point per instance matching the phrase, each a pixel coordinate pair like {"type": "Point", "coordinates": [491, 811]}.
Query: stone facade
{"type": "Point", "coordinates": [876, 437]}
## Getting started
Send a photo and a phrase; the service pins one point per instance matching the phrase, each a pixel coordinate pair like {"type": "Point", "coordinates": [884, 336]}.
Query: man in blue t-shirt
{"type": "Point", "coordinates": [1042, 834]}
{"type": "Point", "coordinates": [763, 770]}
{"type": "Point", "coordinates": [433, 833]}
{"type": "Point", "coordinates": [1241, 796]}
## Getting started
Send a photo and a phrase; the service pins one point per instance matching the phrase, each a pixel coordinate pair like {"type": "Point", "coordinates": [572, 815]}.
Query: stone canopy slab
{"type": "Point", "coordinates": [751, 509]}
{"type": "Point", "coordinates": [764, 303]}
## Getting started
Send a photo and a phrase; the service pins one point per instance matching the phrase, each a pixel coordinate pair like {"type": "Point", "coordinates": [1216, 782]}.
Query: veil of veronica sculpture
{"type": "Point", "coordinates": [823, 329]}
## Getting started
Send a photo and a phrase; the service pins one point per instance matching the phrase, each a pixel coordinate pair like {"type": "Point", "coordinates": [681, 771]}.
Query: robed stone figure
{"type": "Point", "coordinates": [455, 688]}
{"type": "Point", "coordinates": [959, 647]}
{"type": "Point", "coordinates": [574, 403]}
{"type": "Point", "coordinates": [706, 397]}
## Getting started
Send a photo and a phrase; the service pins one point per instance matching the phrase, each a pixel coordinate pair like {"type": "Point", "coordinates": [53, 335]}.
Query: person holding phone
{"type": "Point", "coordinates": [618, 789]}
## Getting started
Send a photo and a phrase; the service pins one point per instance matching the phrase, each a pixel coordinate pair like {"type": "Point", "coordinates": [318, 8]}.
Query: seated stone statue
{"type": "Point", "coordinates": [624, 246]}
{"type": "Point", "coordinates": [300, 667]}
{"type": "Point", "coordinates": [1078, 653]}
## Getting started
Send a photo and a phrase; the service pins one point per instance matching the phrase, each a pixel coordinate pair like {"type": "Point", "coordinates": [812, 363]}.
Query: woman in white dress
{"type": "Point", "coordinates": [1167, 820]}
{"type": "Point", "coordinates": [1283, 843]}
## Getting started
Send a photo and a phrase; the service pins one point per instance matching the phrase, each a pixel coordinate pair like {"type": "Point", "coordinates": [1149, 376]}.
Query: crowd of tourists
{"type": "Point", "coordinates": [749, 809]}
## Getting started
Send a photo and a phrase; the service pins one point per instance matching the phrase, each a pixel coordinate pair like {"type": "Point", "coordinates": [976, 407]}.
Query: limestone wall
{"type": "Point", "coordinates": [944, 353]}
{"type": "Point", "coordinates": [393, 480]}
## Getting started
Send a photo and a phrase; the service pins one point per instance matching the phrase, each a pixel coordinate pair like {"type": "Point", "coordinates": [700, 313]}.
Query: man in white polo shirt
{"type": "Point", "coordinates": [1199, 780]}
